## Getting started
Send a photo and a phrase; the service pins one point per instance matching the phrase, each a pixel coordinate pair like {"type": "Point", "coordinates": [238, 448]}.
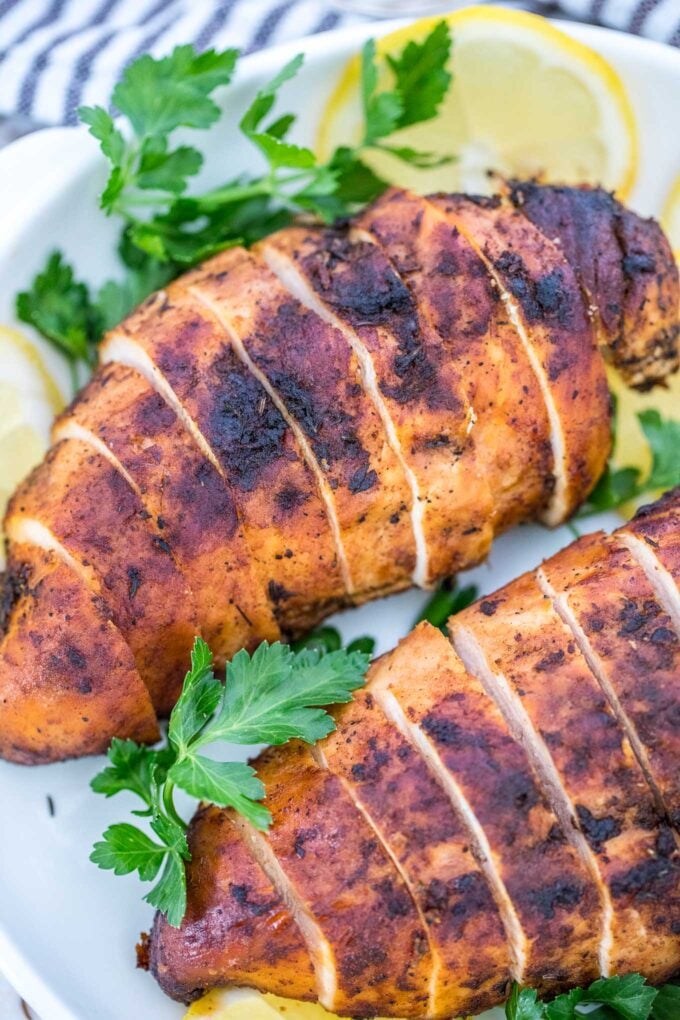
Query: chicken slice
{"type": "Point", "coordinates": [454, 293]}
{"type": "Point", "coordinates": [71, 683]}
{"type": "Point", "coordinates": [180, 347]}
{"type": "Point", "coordinates": [123, 418]}
{"type": "Point", "coordinates": [363, 931]}
{"type": "Point", "coordinates": [627, 638]}
{"type": "Point", "coordinates": [311, 369]}
{"type": "Point", "coordinates": [80, 506]}
{"type": "Point", "coordinates": [653, 539]}
{"type": "Point", "coordinates": [528, 661]}
{"type": "Point", "coordinates": [544, 301]}
{"type": "Point", "coordinates": [549, 903]}
{"type": "Point", "coordinates": [419, 392]}
{"type": "Point", "coordinates": [416, 823]}
{"type": "Point", "coordinates": [626, 268]}
{"type": "Point", "coordinates": [237, 928]}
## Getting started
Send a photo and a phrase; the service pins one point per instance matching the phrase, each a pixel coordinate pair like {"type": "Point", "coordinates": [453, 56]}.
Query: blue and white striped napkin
{"type": "Point", "coordinates": [57, 54]}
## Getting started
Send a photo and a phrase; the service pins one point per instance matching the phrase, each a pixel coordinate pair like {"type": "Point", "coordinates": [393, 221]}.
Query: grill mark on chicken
{"type": "Point", "coordinates": [606, 600]}
{"type": "Point", "coordinates": [342, 879]}
{"type": "Point", "coordinates": [530, 663]}
{"type": "Point", "coordinates": [464, 312]}
{"type": "Point", "coordinates": [359, 283]}
{"type": "Point", "coordinates": [126, 420]}
{"type": "Point", "coordinates": [544, 301]}
{"type": "Point", "coordinates": [59, 496]}
{"type": "Point", "coordinates": [60, 643]}
{"type": "Point", "coordinates": [650, 302]}
{"type": "Point", "coordinates": [247, 430]}
{"type": "Point", "coordinates": [13, 584]}
{"type": "Point", "coordinates": [251, 444]}
{"type": "Point", "coordinates": [236, 921]}
{"type": "Point", "coordinates": [414, 819]}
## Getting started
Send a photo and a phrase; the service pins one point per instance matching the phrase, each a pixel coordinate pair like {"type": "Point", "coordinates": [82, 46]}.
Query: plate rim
{"type": "Point", "coordinates": [19, 218]}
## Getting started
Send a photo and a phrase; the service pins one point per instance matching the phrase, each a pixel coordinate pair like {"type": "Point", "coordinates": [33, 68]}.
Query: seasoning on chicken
{"type": "Point", "coordinates": [515, 782]}
{"type": "Point", "coordinates": [338, 414]}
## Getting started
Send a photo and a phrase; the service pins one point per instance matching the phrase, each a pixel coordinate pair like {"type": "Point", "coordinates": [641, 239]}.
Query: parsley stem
{"type": "Point", "coordinates": [228, 193]}
{"type": "Point", "coordinates": [169, 803]}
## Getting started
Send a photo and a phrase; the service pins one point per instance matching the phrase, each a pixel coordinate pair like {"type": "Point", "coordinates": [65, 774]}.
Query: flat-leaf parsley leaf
{"type": "Point", "coordinates": [274, 695]}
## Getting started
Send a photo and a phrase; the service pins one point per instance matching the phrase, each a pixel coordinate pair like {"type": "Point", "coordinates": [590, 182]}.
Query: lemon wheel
{"type": "Point", "coordinates": [526, 100]}
{"type": "Point", "coordinates": [670, 217]}
{"type": "Point", "coordinates": [244, 1004]}
{"type": "Point", "coordinates": [29, 398]}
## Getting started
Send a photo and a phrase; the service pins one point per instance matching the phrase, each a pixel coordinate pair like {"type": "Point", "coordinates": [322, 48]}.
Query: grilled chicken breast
{"type": "Point", "coordinates": [509, 794]}
{"type": "Point", "coordinates": [336, 414]}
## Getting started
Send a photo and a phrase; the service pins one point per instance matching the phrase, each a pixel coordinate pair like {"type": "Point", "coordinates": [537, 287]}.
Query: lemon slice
{"type": "Point", "coordinates": [29, 399]}
{"type": "Point", "coordinates": [670, 217]}
{"type": "Point", "coordinates": [632, 449]}
{"type": "Point", "coordinates": [526, 100]}
{"type": "Point", "coordinates": [245, 1004]}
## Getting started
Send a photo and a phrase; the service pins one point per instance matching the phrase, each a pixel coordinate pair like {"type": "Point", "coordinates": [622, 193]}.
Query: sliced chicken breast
{"type": "Point", "coordinates": [181, 348]}
{"type": "Point", "coordinates": [626, 268]}
{"type": "Point", "coordinates": [353, 285]}
{"type": "Point", "coordinates": [653, 540]}
{"type": "Point", "coordinates": [236, 926]}
{"type": "Point", "coordinates": [363, 931]}
{"type": "Point", "coordinates": [542, 886]}
{"type": "Point", "coordinates": [530, 663]}
{"type": "Point", "coordinates": [417, 824]}
{"type": "Point", "coordinates": [122, 417]}
{"type": "Point", "coordinates": [456, 296]}
{"type": "Point", "coordinates": [543, 768]}
{"type": "Point", "coordinates": [546, 306]}
{"type": "Point", "coordinates": [79, 506]}
{"type": "Point", "coordinates": [73, 683]}
{"type": "Point", "coordinates": [311, 369]}
{"type": "Point", "coordinates": [628, 639]}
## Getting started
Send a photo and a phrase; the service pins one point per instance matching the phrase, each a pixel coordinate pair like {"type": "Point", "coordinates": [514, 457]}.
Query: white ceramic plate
{"type": "Point", "coordinates": [67, 930]}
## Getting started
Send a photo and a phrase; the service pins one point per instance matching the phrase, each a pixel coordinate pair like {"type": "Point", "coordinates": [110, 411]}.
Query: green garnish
{"type": "Point", "coordinates": [166, 229]}
{"type": "Point", "coordinates": [327, 639]}
{"type": "Point", "coordinates": [60, 307]}
{"type": "Point", "coordinates": [616, 998]}
{"type": "Point", "coordinates": [446, 601]}
{"type": "Point", "coordinates": [618, 486]}
{"type": "Point", "coordinates": [273, 696]}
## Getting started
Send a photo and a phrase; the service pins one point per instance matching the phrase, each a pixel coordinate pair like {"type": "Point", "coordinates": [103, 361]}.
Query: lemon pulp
{"type": "Point", "coordinates": [526, 100]}
{"type": "Point", "coordinates": [29, 399]}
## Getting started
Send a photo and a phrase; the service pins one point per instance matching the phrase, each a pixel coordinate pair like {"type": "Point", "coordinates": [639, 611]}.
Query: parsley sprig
{"type": "Point", "coordinates": [272, 696]}
{"type": "Point", "coordinates": [620, 485]}
{"type": "Point", "coordinates": [615, 998]}
{"type": "Point", "coordinates": [167, 227]}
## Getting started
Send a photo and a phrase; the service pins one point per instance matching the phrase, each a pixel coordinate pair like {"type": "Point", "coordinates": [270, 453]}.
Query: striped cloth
{"type": "Point", "coordinates": [57, 54]}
